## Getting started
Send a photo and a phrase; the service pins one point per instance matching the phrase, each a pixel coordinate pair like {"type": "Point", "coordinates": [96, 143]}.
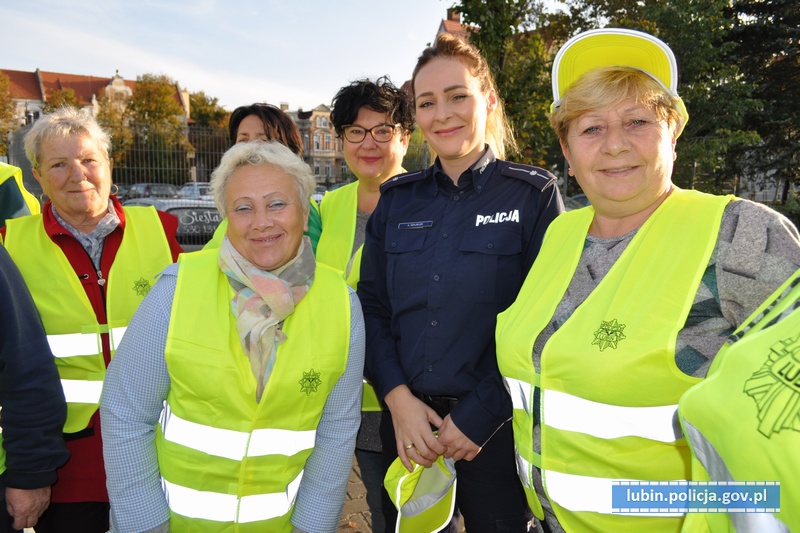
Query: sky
{"type": "Point", "coordinates": [240, 51]}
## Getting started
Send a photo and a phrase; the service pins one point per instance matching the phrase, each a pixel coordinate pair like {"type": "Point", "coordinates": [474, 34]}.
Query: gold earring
{"type": "Point", "coordinates": [114, 189]}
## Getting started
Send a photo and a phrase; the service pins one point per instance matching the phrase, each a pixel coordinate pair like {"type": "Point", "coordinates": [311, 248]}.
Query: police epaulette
{"type": "Point", "coordinates": [538, 177]}
{"type": "Point", "coordinates": [403, 178]}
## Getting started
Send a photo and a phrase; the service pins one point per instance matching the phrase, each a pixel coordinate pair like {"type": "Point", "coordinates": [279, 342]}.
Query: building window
{"type": "Point", "coordinates": [316, 169]}
{"type": "Point", "coordinates": [327, 141]}
{"type": "Point", "coordinates": [327, 170]}
{"type": "Point", "coordinates": [344, 169]}
{"type": "Point", "coordinates": [316, 141]}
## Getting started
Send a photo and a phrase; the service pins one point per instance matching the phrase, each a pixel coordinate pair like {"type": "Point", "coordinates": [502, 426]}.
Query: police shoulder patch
{"type": "Point", "coordinates": [400, 179]}
{"type": "Point", "coordinates": [538, 177]}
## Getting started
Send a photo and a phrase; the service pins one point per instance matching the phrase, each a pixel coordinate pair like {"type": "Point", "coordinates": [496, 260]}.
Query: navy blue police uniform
{"type": "Point", "coordinates": [440, 262]}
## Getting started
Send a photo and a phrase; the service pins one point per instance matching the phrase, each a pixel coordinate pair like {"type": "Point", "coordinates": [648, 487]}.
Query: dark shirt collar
{"type": "Point", "coordinates": [476, 175]}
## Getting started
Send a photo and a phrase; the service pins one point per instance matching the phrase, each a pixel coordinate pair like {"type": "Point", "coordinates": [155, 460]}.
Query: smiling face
{"type": "Point", "coordinates": [266, 218]}
{"type": "Point", "coordinates": [452, 111]}
{"type": "Point", "coordinates": [250, 129]}
{"type": "Point", "coordinates": [76, 175]}
{"type": "Point", "coordinates": [622, 157]}
{"type": "Point", "coordinates": [370, 159]}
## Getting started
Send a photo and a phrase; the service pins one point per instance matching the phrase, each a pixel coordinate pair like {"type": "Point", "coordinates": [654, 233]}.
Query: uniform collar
{"type": "Point", "coordinates": [477, 175]}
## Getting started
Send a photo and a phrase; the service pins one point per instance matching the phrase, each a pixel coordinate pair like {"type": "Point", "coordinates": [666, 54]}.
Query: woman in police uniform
{"type": "Point", "coordinates": [446, 250]}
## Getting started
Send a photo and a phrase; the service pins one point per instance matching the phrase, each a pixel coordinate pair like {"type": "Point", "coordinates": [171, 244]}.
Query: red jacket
{"type": "Point", "coordinates": [83, 478]}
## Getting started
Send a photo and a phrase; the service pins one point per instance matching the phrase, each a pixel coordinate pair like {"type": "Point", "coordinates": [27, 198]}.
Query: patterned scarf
{"type": "Point", "coordinates": [262, 302]}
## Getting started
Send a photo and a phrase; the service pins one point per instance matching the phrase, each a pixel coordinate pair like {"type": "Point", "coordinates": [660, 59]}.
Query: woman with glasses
{"type": "Point", "coordinates": [446, 250]}
{"type": "Point", "coordinates": [375, 121]}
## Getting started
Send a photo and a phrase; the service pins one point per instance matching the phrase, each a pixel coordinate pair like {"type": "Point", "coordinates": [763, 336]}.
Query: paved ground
{"type": "Point", "coordinates": [356, 517]}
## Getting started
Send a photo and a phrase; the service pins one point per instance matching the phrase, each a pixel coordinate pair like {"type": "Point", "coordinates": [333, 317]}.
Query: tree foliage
{"type": "Point", "coordinates": [766, 39]}
{"type": "Point", "coordinates": [7, 108]}
{"type": "Point", "coordinates": [206, 111]}
{"type": "Point", "coordinates": [61, 98]}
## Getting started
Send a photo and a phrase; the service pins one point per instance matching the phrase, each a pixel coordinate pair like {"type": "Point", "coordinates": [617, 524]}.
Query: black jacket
{"type": "Point", "coordinates": [32, 400]}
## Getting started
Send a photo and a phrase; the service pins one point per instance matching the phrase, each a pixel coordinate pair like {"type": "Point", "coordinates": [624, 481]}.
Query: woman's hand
{"type": "Point", "coordinates": [412, 421]}
{"type": "Point", "coordinates": [458, 445]}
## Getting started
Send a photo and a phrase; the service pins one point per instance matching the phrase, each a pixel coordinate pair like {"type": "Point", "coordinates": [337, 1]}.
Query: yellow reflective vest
{"type": "Point", "coordinates": [73, 331]}
{"type": "Point", "coordinates": [339, 210]}
{"type": "Point", "coordinates": [230, 464]}
{"type": "Point", "coordinates": [609, 383]}
{"type": "Point", "coordinates": [743, 421]}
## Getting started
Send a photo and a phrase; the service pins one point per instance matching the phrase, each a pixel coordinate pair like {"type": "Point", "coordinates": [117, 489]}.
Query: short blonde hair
{"type": "Point", "coordinates": [607, 86]}
{"type": "Point", "coordinates": [258, 153]}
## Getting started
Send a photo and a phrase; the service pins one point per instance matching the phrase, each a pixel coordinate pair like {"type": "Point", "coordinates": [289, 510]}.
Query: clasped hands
{"type": "Point", "coordinates": [416, 442]}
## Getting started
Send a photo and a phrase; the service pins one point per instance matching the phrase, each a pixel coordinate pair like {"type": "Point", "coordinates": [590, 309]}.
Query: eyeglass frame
{"type": "Point", "coordinates": [393, 126]}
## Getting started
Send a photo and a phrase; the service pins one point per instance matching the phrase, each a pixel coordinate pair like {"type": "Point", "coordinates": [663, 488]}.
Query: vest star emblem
{"type": "Point", "coordinates": [310, 382]}
{"type": "Point", "coordinates": [775, 387]}
{"type": "Point", "coordinates": [141, 287]}
{"type": "Point", "coordinates": [609, 334]}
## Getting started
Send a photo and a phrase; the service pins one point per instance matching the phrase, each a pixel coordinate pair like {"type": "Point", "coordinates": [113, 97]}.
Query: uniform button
{"type": "Point", "coordinates": [479, 187]}
{"type": "Point", "coordinates": [456, 198]}
{"type": "Point", "coordinates": [436, 277]}
{"type": "Point", "coordinates": [394, 245]}
{"type": "Point", "coordinates": [434, 323]}
{"type": "Point", "coordinates": [490, 246]}
{"type": "Point", "coordinates": [445, 235]}
{"type": "Point", "coordinates": [430, 368]}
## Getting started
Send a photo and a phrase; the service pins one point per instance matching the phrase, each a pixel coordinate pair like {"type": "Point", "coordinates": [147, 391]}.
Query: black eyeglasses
{"type": "Point", "coordinates": [382, 133]}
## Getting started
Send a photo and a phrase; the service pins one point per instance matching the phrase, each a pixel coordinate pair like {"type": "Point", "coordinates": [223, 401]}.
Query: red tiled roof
{"type": "Point", "coordinates": [454, 27]}
{"type": "Point", "coordinates": [24, 85]}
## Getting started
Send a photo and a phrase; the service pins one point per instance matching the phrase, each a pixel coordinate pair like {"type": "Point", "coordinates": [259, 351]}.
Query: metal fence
{"type": "Point", "coordinates": [175, 155]}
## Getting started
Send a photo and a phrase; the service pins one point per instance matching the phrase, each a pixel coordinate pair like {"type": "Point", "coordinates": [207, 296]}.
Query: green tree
{"type": "Point", "coordinates": [160, 150]}
{"type": "Point", "coordinates": [7, 108]}
{"type": "Point", "coordinates": [206, 111]}
{"type": "Point", "coordinates": [113, 115]}
{"type": "Point", "coordinates": [767, 47]}
{"type": "Point", "coordinates": [60, 98]}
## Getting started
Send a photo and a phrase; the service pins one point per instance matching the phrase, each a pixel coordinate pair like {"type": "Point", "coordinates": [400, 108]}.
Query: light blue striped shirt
{"type": "Point", "coordinates": [136, 385]}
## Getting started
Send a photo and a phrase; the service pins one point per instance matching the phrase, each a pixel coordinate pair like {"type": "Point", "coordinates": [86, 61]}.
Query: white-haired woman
{"type": "Point", "coordinates": [256, 352]}
{"type": "Point", "coordinates": [88, 263]}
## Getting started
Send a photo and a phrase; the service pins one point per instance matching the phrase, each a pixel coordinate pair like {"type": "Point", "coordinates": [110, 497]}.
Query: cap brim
{"type": "Point", "coordinates": [426, 497]}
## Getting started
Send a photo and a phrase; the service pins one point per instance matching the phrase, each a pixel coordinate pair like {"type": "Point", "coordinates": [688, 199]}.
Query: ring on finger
{"type": "Point", "coordinates": [409, 446]}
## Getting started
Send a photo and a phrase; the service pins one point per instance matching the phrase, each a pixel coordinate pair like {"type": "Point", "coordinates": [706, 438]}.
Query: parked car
{"type": "Point", "coordinates": [196, 191]}
{"type": "Point", "coordinates": [197, 219]}
{"type": "Point", "coordinates": [152, 190]}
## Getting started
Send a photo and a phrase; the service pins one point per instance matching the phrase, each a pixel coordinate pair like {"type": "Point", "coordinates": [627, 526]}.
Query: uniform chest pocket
{"type": "Point", "coordinates": [402, 247]}
{"type": "Point", "coordinates": [489, 264]}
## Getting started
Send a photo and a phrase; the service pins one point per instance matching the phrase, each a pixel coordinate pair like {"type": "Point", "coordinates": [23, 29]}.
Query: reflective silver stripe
{"type": "Point", "coordinates": [524, 471]}
{"type": "Point", "coordinates": [82, 391]}
{"type": "Point", "coordinates": [584, 493]}
{"type": "Point", "coordinates": [519, 391]}
{"type": "Point", "coordinates": [115, 336]}
{"type": "Point", "coordinates": [712, 461]}
{"type": "Point", "coordinates": [234, 444]}
{"type": "Point", "coordinates": [223, 507]}
{"type": "Point", "coordinates": [73, 344]}
{"type": "Point", "coordinates": [570, 413]}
